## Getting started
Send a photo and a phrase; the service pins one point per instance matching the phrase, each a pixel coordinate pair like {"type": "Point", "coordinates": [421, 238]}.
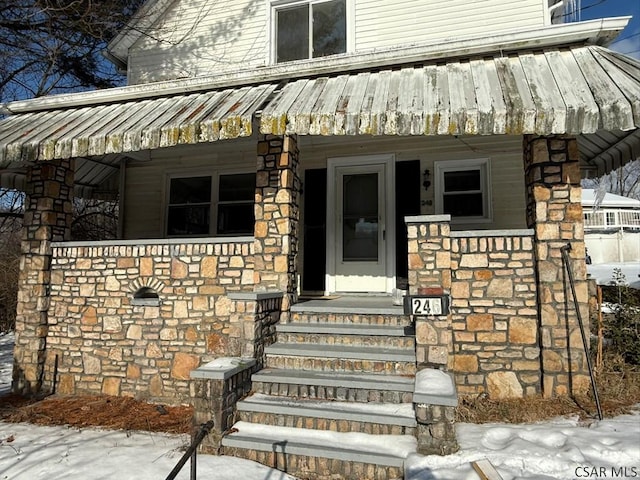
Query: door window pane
{"type": "Point", "coordinates": [360, 217]}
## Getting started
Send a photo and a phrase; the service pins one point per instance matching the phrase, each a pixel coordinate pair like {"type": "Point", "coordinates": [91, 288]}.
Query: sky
{"type": "Point", "coordinates": [628, 41]}
{"type": "Point", "coordinates": [562, 448]}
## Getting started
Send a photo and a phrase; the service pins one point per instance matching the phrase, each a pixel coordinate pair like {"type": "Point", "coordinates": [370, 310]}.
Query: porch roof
{"type": "Point", "coordinates": [582, 90]}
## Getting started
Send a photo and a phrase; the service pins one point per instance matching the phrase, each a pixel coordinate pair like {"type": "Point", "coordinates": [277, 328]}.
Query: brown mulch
{"type": "Point", "coordinates": [117, 413]}
{"type": "Point", "coordinates": [618, 391]}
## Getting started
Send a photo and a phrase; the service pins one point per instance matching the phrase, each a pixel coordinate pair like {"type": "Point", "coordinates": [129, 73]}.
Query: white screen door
{"type": "Point", "coordinates": [360, 229]}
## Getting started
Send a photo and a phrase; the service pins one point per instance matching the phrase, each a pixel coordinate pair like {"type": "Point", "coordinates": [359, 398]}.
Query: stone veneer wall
{"type": "Point", "coordinates": [47, 219]}
{"type": "Point", "coordinates": [489, 337]}
{"type": "Point", "coordinates": [554, 211]}
{"type": "Point", "coordinates": [99, 341]}
{"type": "Point", "coordinates": [495, 328]}
{"type": "Point", "coordinates": [277, 216]}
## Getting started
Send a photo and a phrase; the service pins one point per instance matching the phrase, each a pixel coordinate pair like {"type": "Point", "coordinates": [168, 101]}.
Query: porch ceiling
{"type": "Point", "coordinates": [587, 91]}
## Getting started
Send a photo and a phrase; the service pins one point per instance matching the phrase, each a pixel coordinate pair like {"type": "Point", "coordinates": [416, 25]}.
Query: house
{"type": "Point", "coordinates": [285, 170]}
{"type": "Point", "coordinates": [611, 227]}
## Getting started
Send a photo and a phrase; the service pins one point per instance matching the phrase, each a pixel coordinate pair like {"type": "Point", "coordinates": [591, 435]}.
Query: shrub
{"type": "Point", "coordinates": [622, 325]}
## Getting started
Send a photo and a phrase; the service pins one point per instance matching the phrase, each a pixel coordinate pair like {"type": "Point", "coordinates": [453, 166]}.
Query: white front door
{"type": "Point", "coordinates": [358, 212]}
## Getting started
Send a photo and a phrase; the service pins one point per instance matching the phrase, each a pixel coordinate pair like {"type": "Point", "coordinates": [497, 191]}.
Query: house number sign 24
{"type": "Point", "coordinates": [418, 305]}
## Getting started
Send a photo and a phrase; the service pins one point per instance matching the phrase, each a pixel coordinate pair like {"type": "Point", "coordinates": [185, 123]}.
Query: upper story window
{"type": "Point", "coordinates": [198, 203]}
{"type": "Point", "coordinates": [310, 29]}
{"type": "Point", "coordinates": [463, 190]}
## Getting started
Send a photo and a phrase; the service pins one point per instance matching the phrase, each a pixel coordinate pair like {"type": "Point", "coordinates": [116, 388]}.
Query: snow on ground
{"type": "Point", "coordinates": [560, 449]}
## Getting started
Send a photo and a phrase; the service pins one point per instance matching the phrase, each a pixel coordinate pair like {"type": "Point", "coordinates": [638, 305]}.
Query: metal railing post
{"type": "Point", "coordinates": [565, 257]}
{"type": "Point", "coordinates": [191, 452]}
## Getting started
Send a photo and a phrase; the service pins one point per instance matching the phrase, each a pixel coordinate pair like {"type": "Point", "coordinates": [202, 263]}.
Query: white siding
{"type": "Point", "coordinates": [198, 37]}
{"type": "Point", "coordinates": [380, 23]}
{"type": "Point", "coordinates": [146, 180]}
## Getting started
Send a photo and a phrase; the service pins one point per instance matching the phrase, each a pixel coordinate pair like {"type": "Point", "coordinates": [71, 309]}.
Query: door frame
{"type": "Point", "coordinates": [333, 163]}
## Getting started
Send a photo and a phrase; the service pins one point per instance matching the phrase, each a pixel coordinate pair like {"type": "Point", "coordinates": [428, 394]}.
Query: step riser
{"type": "Point", "coordinates": [332, 339]}
{"type": "Point", "coordinates": [341, 394]}
{"type": "Point", "coordinates": [341, 365]}
{"type": "Point", "coordinates": [315, 468]}
{"type": "Point", "coordinates": [357, 318]}
{"type": "Point", "coordinates": [281, 420]}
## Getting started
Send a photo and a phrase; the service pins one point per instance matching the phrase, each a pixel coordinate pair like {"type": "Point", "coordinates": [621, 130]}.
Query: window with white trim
{"type": "Point", "coordinates": [463, 190]}
{"type": "Point", "coordinates": [309, 29]}
{"type": "Point", "coordinates": [196, 208]}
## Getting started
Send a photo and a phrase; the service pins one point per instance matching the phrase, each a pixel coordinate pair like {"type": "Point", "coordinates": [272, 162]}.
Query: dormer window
{"type": "Point", "coordinates": [310, 29]}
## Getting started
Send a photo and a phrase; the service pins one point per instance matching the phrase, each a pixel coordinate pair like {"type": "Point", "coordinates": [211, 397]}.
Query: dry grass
{"type": "Point", "coordinates": [618, 390]}
{"type": "Point", "coordinates": [117, 413]}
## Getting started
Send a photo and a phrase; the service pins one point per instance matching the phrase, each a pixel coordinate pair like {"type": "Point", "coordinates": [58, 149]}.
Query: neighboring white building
{"type": "Point", "coordinates": [611, 227]}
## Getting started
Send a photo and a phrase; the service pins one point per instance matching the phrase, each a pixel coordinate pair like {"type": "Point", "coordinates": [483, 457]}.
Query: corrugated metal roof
{"type": "Point", "coordinates": [131, 126]}
{"type": "Point", "coordinates": [587, 91]}
{"type": "Point", "coordinates": [555, 91]}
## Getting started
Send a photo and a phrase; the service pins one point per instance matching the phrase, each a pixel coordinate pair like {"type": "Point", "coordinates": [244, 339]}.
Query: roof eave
{"type": "Point", "coordinates": [146, 16]}
{"type": "Point", "coordinates": [591, 32]}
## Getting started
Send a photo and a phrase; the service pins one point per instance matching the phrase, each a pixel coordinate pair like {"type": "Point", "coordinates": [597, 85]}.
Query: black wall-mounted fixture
{"type": "Point", "coordinates": [426, 179]}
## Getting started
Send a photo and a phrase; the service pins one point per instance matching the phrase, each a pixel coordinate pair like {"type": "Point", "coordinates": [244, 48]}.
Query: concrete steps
{"type": "Point", "coordinates": [390, 336]}
{"type": "Point", "coordinates": [358, 455]}
{"type": "Point", "coordinates": [340, 386]}
{"type": "Point", "coordinates": [335, 397]}
{"type": "Point", "coordinates": [341, 358]}
{"type": "Point", "coordinates": [379, 419]}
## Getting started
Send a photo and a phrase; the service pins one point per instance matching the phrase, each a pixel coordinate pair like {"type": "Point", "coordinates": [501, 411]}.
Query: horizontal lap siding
{"type": "Point", "coordinates": [380, 23]}
{"type": "Point", "coordinates": [504, 152]}
{"type": "Point", "coordinates": [200, 38]}
{"type": "Point", "coordinates": [146, 181]}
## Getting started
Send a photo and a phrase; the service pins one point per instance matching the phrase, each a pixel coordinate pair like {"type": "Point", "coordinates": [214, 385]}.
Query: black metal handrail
{"type": "Point", "coordinates": [565, 257]}
{"type": "Point", "coordinates": [191, 452]}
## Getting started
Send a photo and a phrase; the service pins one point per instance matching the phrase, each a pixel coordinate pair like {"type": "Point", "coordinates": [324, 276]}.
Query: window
{"type": "Point", "coordinates": [235, 204]}
{"type": "Point", "coordinates": [194, 205]}
{"type": "Point", "coordinates": [462, 190]}
{"type": "Point", "coordinates": [310, 29]}
{"type": "Point", "coordinates": [189, 210]}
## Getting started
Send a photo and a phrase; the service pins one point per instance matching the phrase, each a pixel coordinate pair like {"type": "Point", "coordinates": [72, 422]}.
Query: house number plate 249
{"type": "Point", "coordinates": [426, 306]}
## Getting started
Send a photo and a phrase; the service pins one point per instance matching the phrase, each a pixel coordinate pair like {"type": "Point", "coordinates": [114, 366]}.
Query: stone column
{"type": "Point", "coordinates": [47, 218]}
{"type": "Point", "coordinates": [430, 273]}
{"type": "Point", "coordinates": [554, 211]}
{"type": "Point", "coordinates": [277, 216]}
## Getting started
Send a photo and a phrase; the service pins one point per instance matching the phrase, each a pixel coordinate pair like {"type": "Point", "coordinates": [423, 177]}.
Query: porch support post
{"type": "Point", "coordinates": [277, 216]}
{"type": "Point", "coordinates": [430, 273]}
{"type": "Point", "coordinates": [47, 218]}
{"type": "Point", "coordinates": [554, 211]}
